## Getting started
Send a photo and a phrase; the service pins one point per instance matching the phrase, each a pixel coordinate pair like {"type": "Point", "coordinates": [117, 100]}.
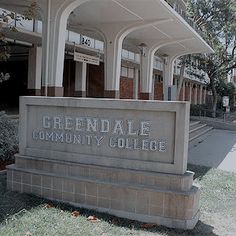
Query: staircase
{"type": "Point", "coordinates": [197, 129]}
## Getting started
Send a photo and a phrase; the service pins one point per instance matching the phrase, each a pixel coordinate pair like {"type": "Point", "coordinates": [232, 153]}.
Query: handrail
{"type": "Point", "coordinates": [185, 17]}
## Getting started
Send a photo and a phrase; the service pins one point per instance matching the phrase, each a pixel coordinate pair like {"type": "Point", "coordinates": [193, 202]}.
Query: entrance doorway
{"type": "Point", "coordinates": [95, 81]}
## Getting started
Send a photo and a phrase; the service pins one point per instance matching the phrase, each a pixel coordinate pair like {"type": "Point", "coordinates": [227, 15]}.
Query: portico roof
{"type": "Point", "coordinates": [160, 24]}
{"type": "Point", "coordinates": [163, 24]}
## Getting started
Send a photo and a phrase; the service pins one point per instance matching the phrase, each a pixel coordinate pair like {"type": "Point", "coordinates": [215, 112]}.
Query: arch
{"type": "Point", "coordinates": [55, 29]}
{"type": "Point", "coordinates": [113, 38]}
{"type": "Point", "coordinates": [148, 60]}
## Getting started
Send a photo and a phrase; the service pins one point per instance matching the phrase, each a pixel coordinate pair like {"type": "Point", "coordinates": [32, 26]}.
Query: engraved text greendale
{"type": "Point", "coordinates": [91, 131]}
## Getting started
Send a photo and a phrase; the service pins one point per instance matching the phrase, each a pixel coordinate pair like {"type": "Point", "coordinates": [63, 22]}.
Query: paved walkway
{"type": "Point", "coordinates": [215, 149]}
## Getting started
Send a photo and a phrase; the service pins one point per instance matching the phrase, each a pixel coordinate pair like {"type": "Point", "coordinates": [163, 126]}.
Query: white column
{"type": "Point", "coordinates": [183, 91]}
{"type": "Point", "coordinates": [80, 78]}
{"type": "Point", "coordinates": [153, 88]}
{"type": "Point", "coordinates": [190, 92]}
{"type": "Point", "coordinates": [195, 95]}
{"type": "Point", "coordinates": [53, 44]}
{"type": "Point", "coordinates": [146, 67]}
{"type": "Point", "coordinates": [113, 65]}
{"type": "Point", "coordinates": [136, 83]}
{"type": "Point", "coordinates": [114, 35]}
{"type": "Point", "coordinates": [168, 73]}
{"type": "Point", "coordinates": [204, 95]}
{"type": "Point", "coordinates": [34, 69]}
{"type": "Point", "coordinates": [200, 95]}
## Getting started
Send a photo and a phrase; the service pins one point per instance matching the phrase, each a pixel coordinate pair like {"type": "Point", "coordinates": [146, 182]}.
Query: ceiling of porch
{"type": "Point", "coordinates": [167, 25]}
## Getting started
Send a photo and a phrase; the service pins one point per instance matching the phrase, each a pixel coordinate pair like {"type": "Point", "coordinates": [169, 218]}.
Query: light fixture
{"type": "Point", "coordinates": [164, 57]}
{"type": "Point", "coordinates": [142, 47]}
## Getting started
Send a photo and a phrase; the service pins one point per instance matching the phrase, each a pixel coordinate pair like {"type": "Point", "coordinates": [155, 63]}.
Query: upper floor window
{"type": "Point", "coordinates": [127, 72]}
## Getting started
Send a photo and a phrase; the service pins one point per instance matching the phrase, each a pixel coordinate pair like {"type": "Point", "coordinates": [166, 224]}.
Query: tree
{"type": "Point", "coordinates": [225, 89]}
{"type": "Point", "coordinates": [217, 20]}
{"type": "Point", "coordinates": [183, 62]}
{"type": "Point", "coordinates": [7, 20]}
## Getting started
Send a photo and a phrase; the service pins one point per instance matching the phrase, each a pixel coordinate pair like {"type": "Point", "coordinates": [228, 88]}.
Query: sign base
{"type": "Point", "coordinates": [127, 158]}
{"type": "Point", "coordinates": [164, 199]}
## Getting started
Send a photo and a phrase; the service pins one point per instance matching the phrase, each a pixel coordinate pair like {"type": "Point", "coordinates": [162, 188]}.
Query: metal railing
{"type": "Point", "coordinates": [183, 14]}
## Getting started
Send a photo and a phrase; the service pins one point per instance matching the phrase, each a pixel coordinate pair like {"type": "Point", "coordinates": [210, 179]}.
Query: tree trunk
{"type": "Point", "coordinates": [181, 77]}
{"type": "Point", "coordinates": [214, 95]}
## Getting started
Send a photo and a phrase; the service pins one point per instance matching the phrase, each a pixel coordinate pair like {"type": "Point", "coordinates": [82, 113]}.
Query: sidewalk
{"type": "Point", "coordinates": [215, 149]}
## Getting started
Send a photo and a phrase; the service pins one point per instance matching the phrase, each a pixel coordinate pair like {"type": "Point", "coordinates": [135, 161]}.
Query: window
{"type": "Point", "coordinates": [99, 45]}
{"type": "Point", "coordinates": [131, 73]}
{"type": "Point", "coordinates": [127, 72]}
{"type": "Point", "coordinates": [137, 57]}
{"type": "Point", "coordinates": [124, 71]}
{"type": "Point", "coordinates": [38, 26]}
{"type": "Point", "coordinates": [25, 24]}
{"type": "Point", "coordinates": [125, 53]}
{"type": "Point", "coordinates": [74, 37]}
{"type": "Point", "coordinates": [131, 56]}
{"type": "Point", "coordinates": [158, 78]}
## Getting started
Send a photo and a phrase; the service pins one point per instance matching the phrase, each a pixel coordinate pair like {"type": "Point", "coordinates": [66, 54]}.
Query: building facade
{"type": "Point", "coordinates": [147, 68]}
{"type": "Point", "coordinates": [124, 157]}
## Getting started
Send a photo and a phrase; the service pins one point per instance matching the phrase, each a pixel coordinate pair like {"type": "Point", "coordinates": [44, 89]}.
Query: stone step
{"type": "Point", "coordinates": [199, 132]}
{"type": "Point", "coordinates": [193, 123]}
{"type": "Point", "coordinates": [196, 127]}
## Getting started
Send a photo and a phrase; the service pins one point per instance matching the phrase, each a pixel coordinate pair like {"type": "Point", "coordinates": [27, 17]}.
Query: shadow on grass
{"type": "Point", "coordinates": [199, 171]}
{"type": "Point", "coordinates": [13, 205]}
{"type": "Point", "coordinates": [133, 227]}
{"type": "Point", "coordinates": [200, 229]}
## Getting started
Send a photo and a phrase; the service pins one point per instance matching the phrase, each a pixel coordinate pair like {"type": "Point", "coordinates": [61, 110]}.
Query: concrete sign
{"type": "Point", "coordinates": [127, 158]}
{"type": "Point", "coordinates": [89, 131]}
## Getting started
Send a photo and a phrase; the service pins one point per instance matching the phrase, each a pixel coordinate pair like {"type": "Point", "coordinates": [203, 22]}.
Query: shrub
{"type": "Point", "coordinates": [204, 110]}
{"type": "Point", "coordinates": [8, 137]}
{"type": "Point", "coordinates": [195, 110]}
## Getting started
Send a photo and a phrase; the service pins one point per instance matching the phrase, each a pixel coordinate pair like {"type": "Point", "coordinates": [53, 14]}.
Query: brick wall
{"type": "Point", "coordinates": [158, 91]}
{"type": "Point", "coordinates": [187, 93]}
{"type": "Point", "coordinates": [126, 88]}
{"type": "Point", "coordinates": [95, 81]}
{"type": "Point", "coordinates": [181, 97]}
{"type": "Point", "coordinates": [198, 95]}
{"type": "Point", "coordinates": [69, 78]}
{"type": "Point", "coordinates": [193, 94]}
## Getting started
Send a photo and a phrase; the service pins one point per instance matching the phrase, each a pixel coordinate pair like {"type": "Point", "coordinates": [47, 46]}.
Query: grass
{"type": "Point", "coordinates": [21, 213]}
{"type": "Point", "coordinates": [218, 191]}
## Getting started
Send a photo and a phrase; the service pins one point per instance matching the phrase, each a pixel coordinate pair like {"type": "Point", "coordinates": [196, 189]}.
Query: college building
{"type": "Point", "coordinates": [115, 149]}
{"type": "Point", "coordinates": [149, 43]}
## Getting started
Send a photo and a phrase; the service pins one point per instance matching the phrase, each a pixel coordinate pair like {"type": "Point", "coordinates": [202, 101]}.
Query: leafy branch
{"type": "Point", "coordinates": [8, 23]}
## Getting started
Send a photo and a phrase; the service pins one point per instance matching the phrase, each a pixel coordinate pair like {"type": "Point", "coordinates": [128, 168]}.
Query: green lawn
{"type": "Point", "coordinates": [21, 213]}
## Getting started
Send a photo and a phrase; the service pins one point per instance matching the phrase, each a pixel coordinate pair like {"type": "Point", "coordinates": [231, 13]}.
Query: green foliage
{"type": "Point", "coordinates": [217, 20]}
{"type": "Point", "coordinates": [197, 110]}
{"type": "Point", "coordinates": [8, 137]}
{"type": "Point", "coordinates": [7, 23]}
{"type": "Point", "coordinates": [225, 89]}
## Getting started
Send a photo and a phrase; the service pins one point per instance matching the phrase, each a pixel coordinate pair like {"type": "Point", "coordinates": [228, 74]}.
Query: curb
{"type": "Point", "coordinates": [216, 123]}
